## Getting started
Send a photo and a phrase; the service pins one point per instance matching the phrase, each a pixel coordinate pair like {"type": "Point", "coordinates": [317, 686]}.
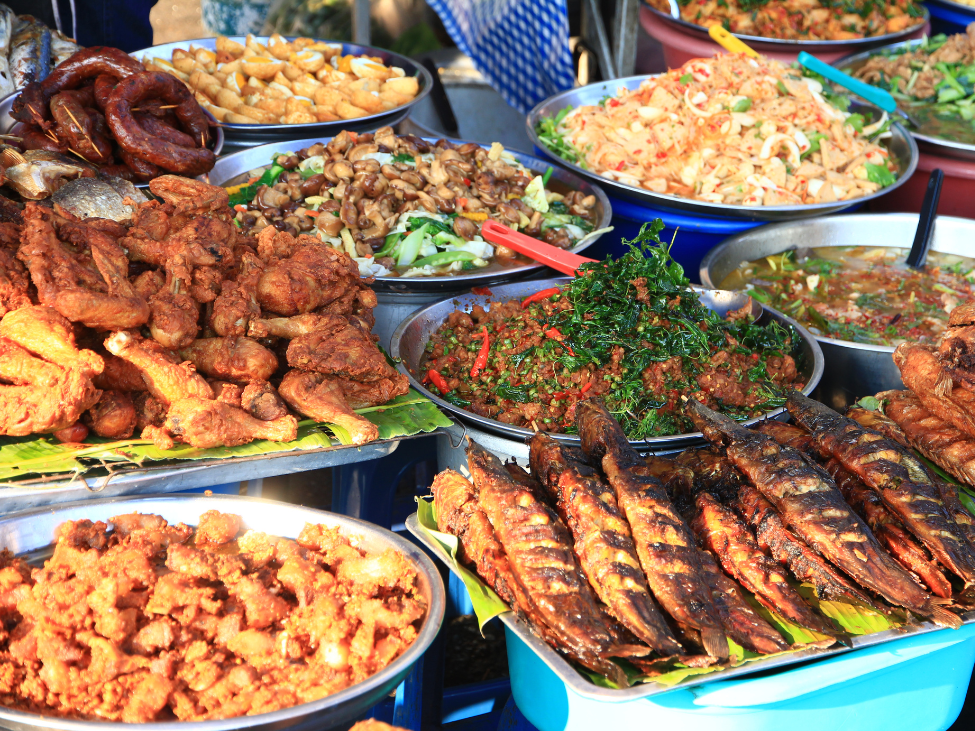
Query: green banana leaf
{"type": "Point", "coordinates": [40, 455]}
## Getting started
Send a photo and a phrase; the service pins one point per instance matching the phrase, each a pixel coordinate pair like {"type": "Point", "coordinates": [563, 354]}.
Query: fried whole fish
{"type": "Point", "coordinates": [868, 505]}
{"type": "Point", "coordinates": [878, 422]}
{"type": "Point", "coordinates": [539, 551]}
{"type": "Point", "coordinates": [714, 472]}
{"type": "Point", "coordinates": [98, 198]}
{"type": "Point", "coordinates": [957, 348]}
{"type": "Point", "coordinates": [602, 542]}
{"type": "Point", "coordinates": [664, 543]}
{"type": "Point", "coordinates": [948, 447]}
{"type": "Point", "coordinates": [921, 372]}
{"type": "Point", "coordinates": [811, 504]}
{"type": "Point", "coordinates": [898, 476]}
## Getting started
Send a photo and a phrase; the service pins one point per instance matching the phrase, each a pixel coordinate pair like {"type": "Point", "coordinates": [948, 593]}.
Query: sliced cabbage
{"type": "Point", "coordinates": [534, 196]}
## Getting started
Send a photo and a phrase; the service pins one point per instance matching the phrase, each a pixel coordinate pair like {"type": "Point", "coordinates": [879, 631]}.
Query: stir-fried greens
{"type": "Point", "coordinates": [630, 330]}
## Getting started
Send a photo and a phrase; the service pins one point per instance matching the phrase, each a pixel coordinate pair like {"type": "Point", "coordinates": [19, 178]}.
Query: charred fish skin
{"type": "Point", "coordinates": [811, 504]}
{"type": "Point", "coordinates": [730, 540]}
{"type": "Point", "coordinates": [539, 551]}
{"type": "Point", "coordinates": [900, 479]}
{"type": "Point", "coordinates": [665, 546]}
{"type": "Point", "coordinates": [880, 423]}
{"type": "Point", "coordinates": [603, 542]}
{"type": "Point", "coordinates": [712, 471]}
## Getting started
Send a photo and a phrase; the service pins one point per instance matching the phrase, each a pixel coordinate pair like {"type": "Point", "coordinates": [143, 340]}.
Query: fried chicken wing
{"type": "Point", "coordinates": [236, 307]}
{"type": "Point", "coordinates": [46, 333]}
{"type": "Point", "coordinates": [231, 358]}
{"type": "Point", "coordinates": [15, 289]}
{"type": "Point", "coordinates": [344, 351]}
{"type": "Point", "coordinates": [166, 379]}
{"type": "Point", "coordinates": [188, 195]}
{"type": "Point", "coordinates": [175, 313]}
{"type": "Point", "coordinates": [202, 423]}
{"type": "Point", "coordinates": [226, 392]}
{"type": "Point", "coordinates": [119, 375]}
{"type": "Point", "coordinates": [321, 398]}
{"type": "Point", "coordinates": [113, 416]}
{"type": "Point", "coordinates": [261, 400]}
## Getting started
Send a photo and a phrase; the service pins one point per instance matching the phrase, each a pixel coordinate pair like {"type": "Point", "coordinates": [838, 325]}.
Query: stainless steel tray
{"type": "Point", "coordinates": [231, 166]}
{"type": "Point", "coordinates": [33, 531]}
{"type": "Point", "coordinates": [901, 146]}
{"type": "Point", "coordinates": [927, 142]}
{"type": "Point", "coordinates": [186, 475]}
{"type": "Point", "coordinates": [257, 134]}
{"type": "Point", "coordinates": [414, 332]}
{"type": "Point", "coordinates": [581, 685]}
{"type": "Point", "coordinates": [795, 44]}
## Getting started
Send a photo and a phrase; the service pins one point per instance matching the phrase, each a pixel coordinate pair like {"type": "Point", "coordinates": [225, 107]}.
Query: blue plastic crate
{"type": "Point", "coordinates": [914, 684]}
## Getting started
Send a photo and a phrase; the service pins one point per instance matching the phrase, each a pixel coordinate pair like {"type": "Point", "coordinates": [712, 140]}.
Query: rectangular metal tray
{"type": "Point", "coordinates": [583, 687]}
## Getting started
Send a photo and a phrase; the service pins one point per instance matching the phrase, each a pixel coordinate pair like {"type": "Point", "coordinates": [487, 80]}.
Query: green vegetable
{"type": "Point", "coordinates": [547, 176]}
{"type": "Point", "coordinates": [390, 245]}
{"type": "Point", "coordinates": [443, 258]}
{"type": "Point", "coordinates": [404, 157]}
{"type": "Point", "coordinates": [455, 400]}
{"type": "Point", "coordinates": [814, 139]}
{"type": "Point", "coordinates": [246, 195]}
{"type": "Point", "coordinates": [550, 136]}
{"type": "Point", "coordinates": [783, 89]}
{"type": "Point", "coordinates": [410, 247]}
{"type": "Point", "coordinates": [880, 175]}
{"type": "Point", "coordinates": [512, 393]}
{"type": "Point", "coordinates": [856, 121]}
{"type": "Point", "coordinates": [431, 223]}
{"type": "Point", "coordinates": [447, 239]}
{"type": "Point", "coordinates": [742, 105]}
{"type": "Point", "coordinates": [685, 79]}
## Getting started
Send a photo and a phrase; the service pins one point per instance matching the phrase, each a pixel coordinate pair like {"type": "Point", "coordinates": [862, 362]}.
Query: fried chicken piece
{"type": "Point", "coordinates": [231, 358]}
{"type": "Point", "coordinates": [44, 397]}
{"type": "Point", "coordinates": [321, 398]}
{"type": "Point", "coordinates": [149, 411]}
{"type": "Point", "coordinates": [217, 528]}
{"type": "Point", "coordinates": [119, 375]}
{"type": "Point", "coordinates": [46, 333]}
{"type": "Point", "coordinates": [188, 195]}
{"type": "Point", "coordinates": [340, 350]}
{"type": "Point", "coordinates": [148, 283]}
{"type": "Point", "coordinates": [374, 393]}
{"type": "Point", "coordinates": [175, 313]}
{"type": "Point", "coordinates": [165, 380]}
{"type": "Point", "coordinates": [226, 392]}
{"type": "Point", "coordinates": [293, 327]}
{"type": "Point", "coordinates": [236, 307]}
{"type": "Point", "coordinates": [261, 400]}
{"type": "Point", "coordinates": [314, 275]}
{"type": "Point", "coordinates": [206, 424]}
{"type": "Point", "coordinates": [113, 416]}
{"type": "Point", "coordinates": [15, 283]}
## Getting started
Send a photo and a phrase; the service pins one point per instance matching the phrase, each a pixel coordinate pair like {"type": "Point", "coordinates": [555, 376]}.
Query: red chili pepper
{"type": "Point", "coordinates": [437, 380]}
{"type": "Point", "coordinates": [483, 291]}
{"type": "Point", "coordinates": [467, 181]}
{"type": "Point", "coordinates": [539, 296]}
{"type": "Point", "coordinates": [482, 356]}
{"type": "Point", "coordinates": [553, 334]}
{"type": "Point", "coordinates": [614, 102]}
{"type": "Point", "coordinates": [755, 356]}
{"type": "Point", "coordinates": [620, 166]}
{"type": "Point", "coordinates": [586, 387]}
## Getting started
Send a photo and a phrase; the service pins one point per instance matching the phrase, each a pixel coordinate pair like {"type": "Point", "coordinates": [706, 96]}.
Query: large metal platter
{"type": "Point", "coordinates": [415, 331]}
{"type": "Point", "coordinates": [928, 142]}
{"type": "Point", "coordinates": [257, 134]}
{"type": "Point", "coordinates": [239, 163]}
{"type": "Point", "coordinates": [580, 685]}
{"type": "Point", "coordinates": [33, 531]}
{"type": "Point", "coordinates": [793, 44]}
{"type": "Point", "coordinates": [901, 146]}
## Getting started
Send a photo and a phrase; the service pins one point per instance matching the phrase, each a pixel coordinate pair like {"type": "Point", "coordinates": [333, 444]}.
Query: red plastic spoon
{"type": "Point", "coordinates": [552, 256]}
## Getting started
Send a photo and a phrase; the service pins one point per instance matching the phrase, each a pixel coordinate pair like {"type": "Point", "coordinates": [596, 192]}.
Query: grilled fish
{"type": "Point", "coordinates": [62, 47]}
{"type": "Point", "coordinates": [30, 51]}
{"type": "Point", "coordinates": [602, 541]}
{"type": "Point", "coordinates": [7, 18]}
{"type": "Point", "coordinates": [36, 174]}
{"type": "Point", "coordinates": [664, 543]}
{"type": "Point", "coordinates": [789, 550]}
{"type": "Point", "coordinates": [922, 373]}
{"type": "Point", "coordinates": [813, 507]}
{"type": "Point", "coordinates": [878, 422]}
{"type": "Point", "coordinates": [871, 508]}
{"type": "Point", "coordinates": [898, 476]}
{"type": "Point", "coordinates": [98, 198]}
{"type": "Point", "coordinates": [957, 348]}
{"type": "Point", "coordinates": [539, 551]}
{"type": "Point", "coordinates": [939, 441]}
{"type": "Point", "coordinates": [712, 470]}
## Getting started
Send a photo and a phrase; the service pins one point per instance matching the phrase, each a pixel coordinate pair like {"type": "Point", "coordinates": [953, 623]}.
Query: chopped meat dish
{"type": "Point", "coordinates": [139, 620]}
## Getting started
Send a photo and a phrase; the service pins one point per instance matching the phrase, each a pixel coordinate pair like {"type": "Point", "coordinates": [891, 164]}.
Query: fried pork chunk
{"type": "Point", "coordinates": [138, 620]}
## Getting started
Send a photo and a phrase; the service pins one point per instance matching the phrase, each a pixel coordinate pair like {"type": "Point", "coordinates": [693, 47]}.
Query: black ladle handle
{"type": "Point", "coordinates": [925, 224]}
{"type": "Point", "coordinates": [441, 103]}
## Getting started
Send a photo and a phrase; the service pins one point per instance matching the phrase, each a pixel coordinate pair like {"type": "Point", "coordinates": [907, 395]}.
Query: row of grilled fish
{"type": "Point", "coordinates": [608, 554]}
{"type": "Point", "coordinates": [28, 50]}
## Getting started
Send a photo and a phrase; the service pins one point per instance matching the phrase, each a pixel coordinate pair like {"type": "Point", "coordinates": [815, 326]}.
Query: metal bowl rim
{"type": "Point", "coordinates": [401, 61]}
{"type": "Point", "coordinates": [425, 636]}
{"type": "Point", "coordinates": [471, 278]}
{"type": "Point", "coordinates": [705, 268]}
{"type": "Point", "coordinates": [720, 210]}
{"type": "Point", "coordinates": [497, 427]}
{"type": "Point", "coordinates": [801, 44]}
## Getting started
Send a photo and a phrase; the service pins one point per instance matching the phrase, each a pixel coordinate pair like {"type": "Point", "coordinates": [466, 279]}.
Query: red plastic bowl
{"type": "Point", "coordinates": [957, 191]}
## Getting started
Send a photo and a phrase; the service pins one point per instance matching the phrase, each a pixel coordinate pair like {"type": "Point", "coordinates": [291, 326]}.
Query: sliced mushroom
{"type": "Point", "coordinates": [362, 151]}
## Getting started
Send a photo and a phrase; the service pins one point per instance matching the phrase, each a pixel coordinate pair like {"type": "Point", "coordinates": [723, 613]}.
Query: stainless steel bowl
{"type": "Point", "coordinates": [239, 135]}
{"type": "Point", "coordinates": [852, 370]}
{"type": "Point", "coordinates": [927, 142]}
{"type": "Point", "coordinates": [8, 126]}
{"type": "Point", "coordinates": [33, 531]}
{"type": "Point", "coordinates": [414, 332]}
{"type": "Point", "coordinates": [901, 145]}
{"type": "Point", "coordinates": [786, 44]}
{"type": "Point", "coordinates": [239, 163]}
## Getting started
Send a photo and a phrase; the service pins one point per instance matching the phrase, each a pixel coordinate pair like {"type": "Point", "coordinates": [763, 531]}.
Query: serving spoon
{"type": "Point", "coordinates": [925, 223]}
{"type": "Point", "coordinates": [558, 259]}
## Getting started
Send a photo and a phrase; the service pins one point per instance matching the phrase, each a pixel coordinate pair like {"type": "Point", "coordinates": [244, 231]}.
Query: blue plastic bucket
{"type": "Point", "coordinates": [948, 18]}
{"type": "Point", "coordinates": [912, 684]}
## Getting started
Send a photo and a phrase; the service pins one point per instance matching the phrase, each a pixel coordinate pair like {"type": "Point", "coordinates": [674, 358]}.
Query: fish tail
{"type": "Point", "coordinates": [939, 615]}
{"type": "Point", "coordinates": [715, 642]}
{"type": "Point", "coordinates": [718, 428]}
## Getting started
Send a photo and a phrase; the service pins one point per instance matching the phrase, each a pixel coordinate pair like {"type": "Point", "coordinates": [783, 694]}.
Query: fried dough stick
{"type": "Point", "coordinates": [898, 476]}
{"type": "Point", "coordinates": [811, 504]}
{"type": "Point", "coordinates": [665, 545]}
{"type": "Point", "coordinates": [603, 542]}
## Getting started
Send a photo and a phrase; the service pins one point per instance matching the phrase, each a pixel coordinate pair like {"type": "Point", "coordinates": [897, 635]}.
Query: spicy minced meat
{"type": "Point", "coordinates": [631, 331]}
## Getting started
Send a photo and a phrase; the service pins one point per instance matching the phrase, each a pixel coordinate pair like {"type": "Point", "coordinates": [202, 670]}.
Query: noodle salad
{"type": "Point", "coordinates": [731, 130]}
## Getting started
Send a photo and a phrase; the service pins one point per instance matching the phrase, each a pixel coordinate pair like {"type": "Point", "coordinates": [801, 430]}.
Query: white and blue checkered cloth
{"type": "Point", "coordinates": [520, 46]}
